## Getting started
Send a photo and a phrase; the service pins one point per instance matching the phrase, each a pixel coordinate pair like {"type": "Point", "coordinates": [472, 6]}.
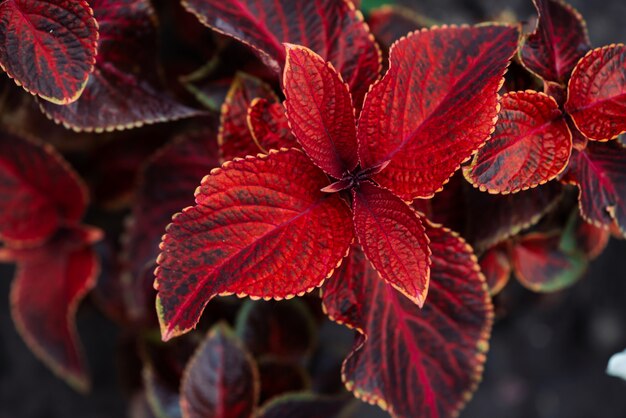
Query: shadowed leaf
{"type": "Point", "coordinates": [261, 227]}
{"type": "Point", "coordinates": [303, 406]}
{"type": "Point", "coordinates": [496, 268]}
{"type": "Point", "coordinates": [48, 47]}
{"type": "Point", "coordinates": [269, 126]}
{"type": "Point", "coordinates": [280, 377]}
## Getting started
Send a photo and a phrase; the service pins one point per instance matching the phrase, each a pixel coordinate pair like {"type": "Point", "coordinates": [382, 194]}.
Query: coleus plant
{"type": "Point", "coordinates": [321, 174]}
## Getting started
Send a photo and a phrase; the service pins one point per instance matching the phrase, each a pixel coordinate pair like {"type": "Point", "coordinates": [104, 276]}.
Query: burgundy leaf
{"type": "Point", "coordinates": [436, 105]}
{"type": "Point", "coordinates": [221, 380]}
{"type": "Point", "coordinates": [530, 146]}
{"type": "Point", "coordinates": [599, 171]}
{"type": "Point", "coordinates": [393, 239]}
{"type": "Point", "coordinates": [557, 43]}
{"type": "Point", "coordinates": [261, 227]}
{"type": "Point", "coordinates": [410, 361]}
{"type": "Point", "coordinates": [50, 282]}
{"type": "Point", "coordinates": [39, 191]}
{"type": "Point", "coordinates": [320, 111]}
{"type": "Point", "coordinates": [48, 47]}
{"type": "Point", "coordinates": [279, 377]}
{"type": "Point", "coordinates": [496, 268]}
{"type": "Point", "coordinates": [235, 138]}
{"type": "Point", "coordinates": [303, 406]}
{"type": "Point", "coordinates": [597, 93]}
{"type": "Point", "coordinates": [125, 89]}
{"type": "Point", "coordinates": [269, 126]}
{"type": "Point", "coordinates": [332, 28]}
{"type": "Point", "coordinates": [391, 22]}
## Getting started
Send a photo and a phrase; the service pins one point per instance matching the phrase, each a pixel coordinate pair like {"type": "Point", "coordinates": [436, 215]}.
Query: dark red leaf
{"type": "Point", "coordinates": [530, 146]}
{"type": "Point", "coordinates": [320, 111]}
{"type": "Point", "coordinates": [415, 362]}
{"type": "Point", "coordinates": [597, 93]}
{"type": "Point", "coordinates": [125, 89]}
{"type": "Point", "coordinates": [280, 377]}
{"type": "Point", "coordinates": [39, 191]}
{"type": "Point", "coordinates": [558, 42]}
{"type": "Point", "coordinates": [542, 264]}
{"type": "Point", "coordinates": [284, 330]}
{"type": "Point", "coordinates": [332, 28]}
{"type": "Point", "coordinates": [389, 23]}
{"type": "Point", "coordinates": [590, 239]}
{"type": "Point", "coordinates": [221, 380]}
{"type": "Point", "coordinates": [48, 47]}
{"type": "Point", "coordinates": [303, 406]}
{"type": "Point", "coordinates": [261, 227]}
{"type": "Point", "coordinates": [163, 400]}
{"type": "Point", "coordinates": [496, 268]}
{"type": "Point", "coordinates": [269, 126]}
{"type": "Point", "coordinates": [599, 171]}
{"type": "Point", "coordinates": [235, 138]}
{"type": "Point", "coordinates": [166, 184]}
{"type": "Point", "coordinates": [49, 284]}
{"type": "Point", "coordinates": [436, 105]}
{"type": "Point", "coordinates": [393, 239]}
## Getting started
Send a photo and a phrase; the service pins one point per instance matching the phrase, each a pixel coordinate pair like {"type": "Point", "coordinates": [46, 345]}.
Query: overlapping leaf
{"type": "Point", "coordinates": [599, 171]}
{"type": "Point", "coordinates": [39, 192]}
{"type": "Point", "coordinates": [597, 93]}
{"type": "Point", "coordinates": [261, 227]}
{"type": "Point", "coordinates": [320, 111]}
{"type": "Point", "coordinates": [50, 282]}
{"type": "Point", "coordinates": [332, 28]}
{"type": "Point", "coordinates": [269, 125]}
{"type": "Point", "coordinates": [48, 47]}
{"type": "Point", "coordinates": [221, 380]}
{"type": "Point", "coordinates": [235, 138]}
{"type": "Point", "coordinates": [393, 239]}
{"type": "Point", "coordinates": [436, 105]}
{"type": "Point", "coordinates": [391, 22]}
{"type": "Point", "coordinates": [558, 42]}
{"type": "Point", "coordinates": [410, 361]}
{"type": "Point", "coordinates": [530, 146]}
{"type": "Point", "coordinates": [303, 406]}
{"type": "Point", "coordinates": [124, 90]}
{"type": "Point", "coordinates": [496, 268]}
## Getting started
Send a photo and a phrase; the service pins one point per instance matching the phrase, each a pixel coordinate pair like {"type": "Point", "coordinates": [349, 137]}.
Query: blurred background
{"type": "Point", "coordinates": [548, 352]}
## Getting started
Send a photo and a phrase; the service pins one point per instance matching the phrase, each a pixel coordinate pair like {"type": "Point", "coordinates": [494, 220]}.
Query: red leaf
{"type": "Point", "coordinates": [530, 146]}
{"type": "Point", "coordinates": [303, 406]}
{"type": "Point", "coordinates": [542, 265]}
{"type": "Point", "coordinates": [48, 47]}
{"type": "Point", "coordinates": [261, 227]}
{"type": "Point", "coordinates": [284, 330]}
{"type": "Point", "coordinates": [125, 89]}
{"type": "Point", "coordinates": [591, 239]}
{"type": "Point", "coordinates": [393, 239]}
{"type": "Point", "coordinates": [39, 191]}
{"type": "Point", "coordinates": [221, 380]}
{"type": "Point", "coordinates": [49, 284]}
{"type": "Point", "coordinates": [166, 184]}
{"type": "Point", "coordinates": [415, 362]}
{"type": "Point", "coordinates": [389, 23]}
{"type": "Point", "coordinates": [599, 171]}
{"type": "Point", "coordinates": [235, 138]}
{"type": "Point", "coordinates": [320, 111]}
{"type": "Point", "coordinates": [269, 126]}
{"type": "Point", "coordinates": [496, 268]}
{"type": "Point", "coordinates": [436, 105]}
{"type": "Point", "coordinates": [557, 43]}
{"type": "Point", "coordinates": [332, 28]}
{"type": "Point", "coordinates": [597, 93]}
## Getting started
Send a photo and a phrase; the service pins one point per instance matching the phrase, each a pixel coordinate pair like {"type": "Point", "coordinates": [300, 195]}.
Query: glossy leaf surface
{"type": "Point", "coordinates": [221, 380]}
{"type": "Point", "coordinates": [600, 173]}
{"type": "Point", "coordinates": [530, 146]}
{"type": "Point", "coordinates": [320, 112]}
{"type": "Point", "coordinates": [125, 89]}
{"type": "Point", "coordinates": [410, 361]}
{"type": "Point", "coordinates": [393, 239]}
{"type": "Point", "coordinates": [334, 29]}
{"type": "Point", "coordinates": [269, 125]}
{"type": "Point", "coordinates": [48, 47]}
{"type": "Point", "coordinates": [303, 406]}
{"type": "Point", "coordinates": [557, 43]}
{"type": "Point", "coordinates": [261, 227]}
{"type": "Point", "coordinates": [235, 138]}
{"type": "Point", "coordinates": [39, 191]}
{"type": "Point", "coordinates": [49, 284]}
{"type": "Point", "coordinates": [435, 107]}
{"type": "Point", "coordinates": [597, 93]}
